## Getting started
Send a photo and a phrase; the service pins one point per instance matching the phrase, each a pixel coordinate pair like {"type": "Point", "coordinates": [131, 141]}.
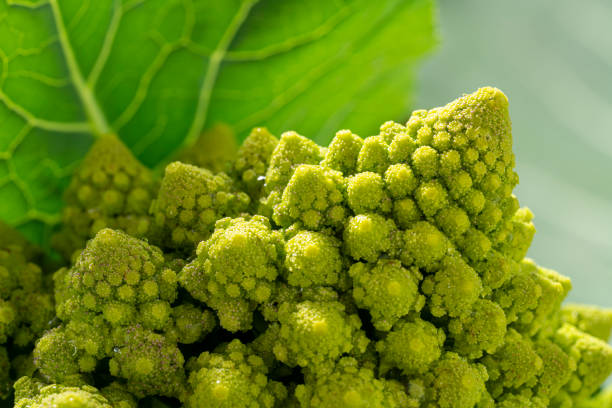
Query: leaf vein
{"type": "Point", "coordinates": [27, 4]}
{"type": "Point", "coordinates": [92, 108]}
{"type": "Point", "coordinates": [17, 141]}
{"type": "Point", "coordinates": [210, 77]}
{"type": "Point", "coordinates": [107, 45]}
{"type": "Point", "coordinates": [291, 43]}
{"type": "Point", "coordinates": [80, 13]}
{"type": "Point", "coordinates": [42, 78]}
{"type": "Point", "coordinates": [143, 87]}
{"type": "Point", "coordinates": [148, 139]}
{"type": "Point", "coordinates": [52, 126]}
{"type": "Point", "coordinates": [20, 184]}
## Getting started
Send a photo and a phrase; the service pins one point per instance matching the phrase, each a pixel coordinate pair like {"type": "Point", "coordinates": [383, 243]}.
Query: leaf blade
{"type": "Point", "coordinates": [159, 71]}
{"type": "Point", "coordinates": [339, 54]}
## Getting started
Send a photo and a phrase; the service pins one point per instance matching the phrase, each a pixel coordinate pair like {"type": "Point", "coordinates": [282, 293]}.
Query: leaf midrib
{"type": "Point", "coordinates": [94, 113]}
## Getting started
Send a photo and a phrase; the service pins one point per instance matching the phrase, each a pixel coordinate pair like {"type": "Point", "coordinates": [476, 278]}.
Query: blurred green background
{"type": "Point", "coordinates": [553, 59]}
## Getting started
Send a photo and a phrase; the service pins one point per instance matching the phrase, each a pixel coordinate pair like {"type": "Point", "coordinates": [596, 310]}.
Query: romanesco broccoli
{"type": "Point", "coordinates": [379, 272]}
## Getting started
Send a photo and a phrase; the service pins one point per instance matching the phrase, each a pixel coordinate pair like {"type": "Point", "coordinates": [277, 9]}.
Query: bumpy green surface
{"type": "Point", "coordinates": [150, 362]}
{"type": "Point", "coordinates": [26, 306]}
{"type": "Point", "coordinates": [491, 49]}
{"type": "Point", "coordinates": [385, 272]}
{"type": "Point", "coordinates": [232, 378]}
{"type": "Point", "coordinates": [252, 161]}
{"type": "Point", "coordinates": [34, 394]}
{"type": "Point", "coordinates": [315, 333]}
{"type": "Point", "coordinates": [189, 201]}
{"type": "Point", "coordinates": [313, 258]}
{"type": "Point", "coordinates": [387, 289]}
{"type": "Point", "coordinates": [235, 269]}
{"type": "Point", "coordinates": [351, 386]}
{"type": "Point", "coordinates": [313, 196]}
{"type": "Point", "coordinates": [119, 301]}
{"type": "Point", "coordinates": [412, 345]}
{"type": "Point", "coordinates": [111, 189]}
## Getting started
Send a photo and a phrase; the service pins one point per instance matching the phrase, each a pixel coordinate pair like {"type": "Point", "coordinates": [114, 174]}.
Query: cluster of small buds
{"type": "Point", "coordinates": [190, 201]}
{"type": "Point", "coordinates": [111, 189]}
{"type": "Point", "coordinates": [26, 305]}
{"type": "Point", "coordinates": [233, 373]}
{"type": "Point", "coordinates": [386, 271]}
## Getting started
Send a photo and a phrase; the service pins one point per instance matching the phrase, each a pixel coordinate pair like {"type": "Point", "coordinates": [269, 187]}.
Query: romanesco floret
{"type": "Point", "coordinates": [314, 334]}
{"type": "Point", "coordinates": [454, 382]}
{"type": "Point", "coordinates": [481, 330]}
{"type": "Point", "coordinates": [235, 269]}
{"type": "Point", "coordinates": [117, 302]}
{"type": "Point", "coordinates": [496, 270]}
{"type": "Point", "coordinates": [26, 307]}
{"type": "Point", "coordinates": [285, 293]}
{"type": "Point", "coordinates": [242, 258]}
{"type": "Point", "coordinates": [343, 152]}
{"type": "Point", "coordinates": [26, 303]}
{"type": "Point", "coordinates": [424, 246]}
{"type": "Point", "coordinates": [373, 155]}
{"type": "Point", "coordinates": [366, 193]}
{"type": "Point", "coordinates": [521, 233]}
{"type": "Point", "coordinates": [350, 386]}
{"type": "Point", "coordinates": [190, 201]}
{"type": "Point", "coordinates": [111, 189]}
{"type": "Point", "coordinates": [590, 319]}
{"type": "Point", "coordinates": [466, 146]}
{"type": "Point", "coordinates": [593, 360]}
{"type": "Point", "coordinates": [31, 393]}
{"type": "Point", "coordinates": [55, 357]}
{"type": "Point", "coordinates": [406, 212]}
{"type": "Point", "coordinates": [400, 181]}
{"type": "Point", "coordinates": [381, 272]}
{"type": "Point", "coordinates": [263, 346]}
{"type": "Point", "coordinates": [313, 258]}
{"type": "Point", "coordinates": [232, 377]}
{"type": "Point", "coordinates": [291, 151]}
{"type": "Point", "coordinates": [412, 345]}
{"type": "Point", "coordinates": [252, 161]}
{"type": "Point", "coordinates": [150, 364]}
{"type": "Point", "coordinates": [314, 197]}
{"type": "Point", "coordinates": [557, 367]}
{"type": "Point", "coordinates": [73, 347]}
{"type": "Point", "coordinates": [122, 278]}
{"type": "Point", "coordinates": [368, 236]}
{"type": "Point", "coordinates": [233, 314]}
{"type": "Point", "coordinates": [531, 296]}
{"type": "Point", "coordinates": [452, 289]}
{"type": "Point", "coordinates": [387, 289]}
{"type": "Point", "coordinates": [191, 324]}
{"type": "Point", "coordinates": [521, 401]}
{"type": "Point", "coordinates": [118, 396]}
{"type": "Point", "coordinates": [516, 363]}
